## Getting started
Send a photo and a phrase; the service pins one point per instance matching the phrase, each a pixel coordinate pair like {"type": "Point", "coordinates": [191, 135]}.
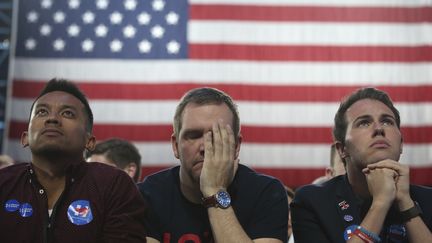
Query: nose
{"type": "Point", "coordinates": [52, 118]}
{"type": "Point", "coordinates": [202, 146]}
{"type": "Point", "coordinates": [378, 130]}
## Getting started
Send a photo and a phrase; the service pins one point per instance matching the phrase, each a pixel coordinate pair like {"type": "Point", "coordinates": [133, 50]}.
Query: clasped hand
{"type": "Point", "coordinates": [388, 181]}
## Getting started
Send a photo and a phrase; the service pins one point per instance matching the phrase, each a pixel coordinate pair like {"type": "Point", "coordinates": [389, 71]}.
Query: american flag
{"type": "Point", "coordinates": [287, 63]}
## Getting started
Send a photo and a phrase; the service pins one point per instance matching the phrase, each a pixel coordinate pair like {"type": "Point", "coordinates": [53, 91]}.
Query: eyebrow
{"type": "Point", "coordinates": [385, 115]}
{"type": "Point", "coordinates": [63, 106]}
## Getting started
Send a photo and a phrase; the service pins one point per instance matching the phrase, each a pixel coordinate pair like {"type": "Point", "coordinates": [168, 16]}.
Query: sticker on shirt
{"type": "Point", "coordinates": [12, 205]}
{"type": "Point", "coordinates": [26, 210]}
{"type": "Point", "coordinates": [79, 212]}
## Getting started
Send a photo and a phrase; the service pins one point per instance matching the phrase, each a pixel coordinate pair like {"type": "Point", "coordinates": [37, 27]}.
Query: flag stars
{"type": "Point", "coordinates": [116, 18]}
{"type": "Point", "coordinates": [46, 4]}
{"type": "Point", "coordinates": [173, 47]}
{"type": "Point", "coordinates": [158, 5]}
{"type": "Point", "coordinates": [144, 18]}
{"type": "Point", "coordinates": [87, 45]}
{"type": "Point", "coordinates": [172, 18]}
{"type": "Point", "coordinates": [129, 31]}
{"type": "Point", "coordinates": [30, 44]}
{"type": "Point", "coordinates": [157, 31]}
{"type": "Point", "coordinates": [144, 46]}
{"type": "Point", "coordinates": [32, 17]}
{"type": "Point", "coordinates": [88, 17]}
{"type": "Point", "coordinates": [116, 46]}
{"type": "Point", "coordinates": [45, 30]}
{"type": "Point", "coordinates": [102, 4]}
{"type": "Point", "coordinates": [73, 30]}
{"type": "Point", "coordinates": [59, 45]}
{"type": "Point", "coordinates": [59, 17]}
{"type": "Point", "coordinates": [130, 4]}
{"type": "Point", "coordinates": [101, 30]}
{"type": "Point", "coordinates": [74, 4]}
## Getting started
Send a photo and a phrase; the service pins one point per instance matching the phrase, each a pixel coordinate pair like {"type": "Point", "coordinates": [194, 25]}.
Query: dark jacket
{"type": "Point", "coordinates": [321, 213]}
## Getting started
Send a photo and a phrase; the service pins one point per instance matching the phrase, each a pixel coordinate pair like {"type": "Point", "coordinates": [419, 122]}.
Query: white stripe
{"type": "Point", "coordinates": [226, 72]}
{"type": "Point", "coordinates": [390, 3]}
{"type": "Point", "coordinates": [301, 33]}
{"type": "Point", "coordinates": [251, 113]}
{"type": "Point", "coordinates": [256, 155]}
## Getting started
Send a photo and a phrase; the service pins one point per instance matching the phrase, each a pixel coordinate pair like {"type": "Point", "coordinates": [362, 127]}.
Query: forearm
{"type": "Point", "coordinates": [373, 221]}
{"type": "Point", "coordinates": [225, 226]}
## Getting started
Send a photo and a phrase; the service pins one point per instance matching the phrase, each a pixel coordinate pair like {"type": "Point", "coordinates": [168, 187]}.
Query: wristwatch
{"type": "Point", "coordinates": [219, 200]}
{"type": "Point", "coordinates": [411, 213]}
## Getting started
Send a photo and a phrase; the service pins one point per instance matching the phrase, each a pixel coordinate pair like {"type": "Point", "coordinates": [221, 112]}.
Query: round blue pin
{"type": "Point", "coordinates": [26, 210]}
{"type": "Point", "coordinates": [79, 212]}
{"type": "Point", "coordinates": [11, 205]}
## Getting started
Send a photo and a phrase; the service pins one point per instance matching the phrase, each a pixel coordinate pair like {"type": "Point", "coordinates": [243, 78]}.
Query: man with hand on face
{"type": "Point", "coordinates": [210, 197]}
{"type": "Point", "coordinates": [59, 197]}
{"type": "Point", "coordinates": [374, 201]}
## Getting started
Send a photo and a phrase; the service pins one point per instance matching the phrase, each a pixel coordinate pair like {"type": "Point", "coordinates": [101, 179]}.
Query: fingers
{"type": "Point", "coordinates": [389, 164]}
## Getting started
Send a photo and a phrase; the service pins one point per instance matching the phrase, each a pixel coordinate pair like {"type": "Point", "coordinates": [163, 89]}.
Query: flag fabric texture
{"type": "Point", "coordinates": [287, 64]}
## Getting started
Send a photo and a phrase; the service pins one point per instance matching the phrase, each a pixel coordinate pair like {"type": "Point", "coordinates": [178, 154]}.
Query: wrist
{"type": "Point", "coordinates": [405, 204]}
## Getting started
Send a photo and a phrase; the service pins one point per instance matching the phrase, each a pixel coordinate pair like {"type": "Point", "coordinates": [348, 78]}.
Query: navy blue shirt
{"type": "Point", "coordinates": [259, 202]}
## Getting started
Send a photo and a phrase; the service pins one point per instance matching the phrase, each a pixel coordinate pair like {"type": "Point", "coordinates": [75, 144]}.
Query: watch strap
{"type": "Point", "coordinates": [208, 202]}
{"type": "Point", "coordinates": [411, 213]}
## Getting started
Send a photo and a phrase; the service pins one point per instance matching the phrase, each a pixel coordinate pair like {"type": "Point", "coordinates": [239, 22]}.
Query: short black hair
{"type": "Point", "coordinates": [121, 152]}
{"type": "Point", "coordinates": [69, 87]}
{"type": "Point", "coordinates": [340, 122]}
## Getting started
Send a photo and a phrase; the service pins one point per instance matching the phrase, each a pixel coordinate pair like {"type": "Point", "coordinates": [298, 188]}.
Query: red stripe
{"type": "Point", "coordinates": [302, 176]}
{"type": "Point", "coordinates": [310, 53]}
{"type": "Point", "coordinates": [311, 13]}
{"type": "Point", "coordinates": [240, 92]}
{"type": "Point", "coordinates": [251, 134]}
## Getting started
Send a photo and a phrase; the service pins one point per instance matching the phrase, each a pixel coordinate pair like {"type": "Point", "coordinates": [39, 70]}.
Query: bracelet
{"type": "Point", "coordinates": [365, 238]}
{"type": "Point", "coordinates": [372, 236]}
{"type": "Point", "coordinates": [411, 213]}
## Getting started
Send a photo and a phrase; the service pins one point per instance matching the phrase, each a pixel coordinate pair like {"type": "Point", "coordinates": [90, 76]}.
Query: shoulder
{"type": "Point", "coordinates": [161, 181]}
{"type": "Point", "coordinates": [103, 176]}
{"type": "Point", "coordinates": [319, 192]}
{"type": "Point", "coordinates": [13, 172]}
{"type": "Point", "coordinates": [250, 177]}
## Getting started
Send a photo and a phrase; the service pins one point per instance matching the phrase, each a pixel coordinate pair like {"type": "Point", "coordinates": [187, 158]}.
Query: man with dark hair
{"type": "Point", "coordinates": [119, 153]}
{"type": "Point", "coordinates": [374, 201]}
{"type": "Point", "coordinates": [210, 197]}
{"type": "Point", "coordinates": [58, 197]}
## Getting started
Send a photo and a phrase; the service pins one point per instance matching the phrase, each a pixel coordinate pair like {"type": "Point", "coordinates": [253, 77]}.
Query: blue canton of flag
{"type": "Point", "coordinates": [103, 29]}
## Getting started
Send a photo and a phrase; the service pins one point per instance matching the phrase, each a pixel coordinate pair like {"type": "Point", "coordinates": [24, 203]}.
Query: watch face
{"type": "Point", "coordinates": [223, 199]}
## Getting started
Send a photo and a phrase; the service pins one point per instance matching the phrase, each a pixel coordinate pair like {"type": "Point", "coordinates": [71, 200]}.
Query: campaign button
{"type": "Point", "coordinates": [26, 210]}
{"type": "Point", "coordinates": [12, 205]}
{"type": "Point", "coordinates": [79, 212]}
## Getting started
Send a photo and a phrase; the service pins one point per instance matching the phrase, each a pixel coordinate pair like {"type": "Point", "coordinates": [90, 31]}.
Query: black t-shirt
{"type": "Point", "coordinates": [259, 202]}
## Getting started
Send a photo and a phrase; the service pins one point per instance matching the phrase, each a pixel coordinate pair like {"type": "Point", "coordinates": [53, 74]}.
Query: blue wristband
{"type": "Point", "coordinates": [372, 235]}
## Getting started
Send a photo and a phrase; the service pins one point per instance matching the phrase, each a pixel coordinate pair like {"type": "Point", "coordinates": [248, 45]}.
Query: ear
{"type": "Point", "coordinates": [341, 150]}
{"type": "Point", "coordinates": [174, 145]}
{"type": "Point", "coordinates": [24, 139]}
{"type": "Point", "coordinates": [91, 142]}
{"type": "Point", "coordinates": [237, 148]}
{"type": "Point", "coordinates": [329, 172]}
{"type": "Point", "coordinates": [131, 169]}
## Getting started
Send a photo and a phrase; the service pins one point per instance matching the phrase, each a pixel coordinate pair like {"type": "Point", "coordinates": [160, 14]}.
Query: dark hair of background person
{"type": "Point", "coordinates": [205, 96]}
{"type": "Point", "coordinates": [120, 152]}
